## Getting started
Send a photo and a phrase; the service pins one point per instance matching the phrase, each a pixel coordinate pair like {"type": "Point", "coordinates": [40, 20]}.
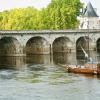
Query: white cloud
{"type": "Point", "coordinates": [9, 4]}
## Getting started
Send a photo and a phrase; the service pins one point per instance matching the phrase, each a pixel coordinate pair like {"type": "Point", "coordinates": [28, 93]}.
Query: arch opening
{"type": "Point", "coordinates": [62, 44]}
{"type": "Point", "coordinates": [98, 46]}
{"type": "Point", "coordinates": [37, 45]}
{"type": "Point", "coordinates": [9, 46]}
{"type": "Point", "coordinates": [83, 47]}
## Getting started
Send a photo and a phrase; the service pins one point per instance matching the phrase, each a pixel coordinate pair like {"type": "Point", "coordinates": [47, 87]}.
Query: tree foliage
{"type": "Point", "coordinates": [59, 14]}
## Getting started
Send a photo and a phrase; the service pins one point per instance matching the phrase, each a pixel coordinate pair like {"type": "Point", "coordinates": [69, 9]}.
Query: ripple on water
{"type": "Point", "coordinates": [51, 83]}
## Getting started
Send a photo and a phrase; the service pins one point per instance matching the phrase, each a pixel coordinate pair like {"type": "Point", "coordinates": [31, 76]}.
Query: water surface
{"type": "Point", "coordinates": [41, 78]}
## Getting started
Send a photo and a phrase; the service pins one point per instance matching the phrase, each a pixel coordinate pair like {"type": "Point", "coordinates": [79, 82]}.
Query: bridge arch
{"type": "Point", "coordinates": [10, 46]}
{"type": "Point", "coordinates": [62, 44]}
{"type": "Point", "coordinates": [37, 45]}
{"type": "Point", "coordinates": [83, 45]}
{"type": "Point", "coordinates": [98, 46]}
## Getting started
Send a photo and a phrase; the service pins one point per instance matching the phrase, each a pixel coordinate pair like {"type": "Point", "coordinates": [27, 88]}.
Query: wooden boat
{"type": "Point", "coordinates": [88, 68]}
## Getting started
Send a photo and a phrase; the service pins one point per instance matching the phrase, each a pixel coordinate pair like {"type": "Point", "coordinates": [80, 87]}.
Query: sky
{"type": "Point", "coordinates": [10, 4]}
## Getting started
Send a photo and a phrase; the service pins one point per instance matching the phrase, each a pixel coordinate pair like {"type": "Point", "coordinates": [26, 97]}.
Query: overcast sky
{"type": "Point", "coordinates": [9, 4]}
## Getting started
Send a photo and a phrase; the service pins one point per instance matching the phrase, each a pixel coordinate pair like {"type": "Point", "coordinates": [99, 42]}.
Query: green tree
{"type": "Point", "coordinates": [63, 13]}
{"type": "Point", "coordinates": [60, 14]}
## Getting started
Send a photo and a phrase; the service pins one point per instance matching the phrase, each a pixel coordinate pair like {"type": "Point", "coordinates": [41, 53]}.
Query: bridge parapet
{"type": "Point", "coordinates": [49, 31]}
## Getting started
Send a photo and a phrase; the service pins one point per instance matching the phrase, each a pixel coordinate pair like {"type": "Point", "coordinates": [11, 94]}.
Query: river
{"type": "Point", "coordinates": [41, 78]}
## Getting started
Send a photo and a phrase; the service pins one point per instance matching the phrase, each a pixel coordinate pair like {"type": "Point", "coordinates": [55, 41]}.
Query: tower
{"type": "Point", "coordinates": [89, 18]}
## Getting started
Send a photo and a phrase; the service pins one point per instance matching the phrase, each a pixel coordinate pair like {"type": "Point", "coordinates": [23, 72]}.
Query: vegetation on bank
{"type": "Point", "coordinates": [59, 14]}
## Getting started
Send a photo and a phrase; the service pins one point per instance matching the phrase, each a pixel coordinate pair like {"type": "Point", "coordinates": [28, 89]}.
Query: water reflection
{"type": "Point", "coordinates": [42, 80]}
{"type": "Point", "coordinates": [81, 59]}
{"type": "Point", "coordinates": [21, 62]}
{"type": "Point", "coordinates": [12, 62]}
{"type": "Point", "coordinates": [68, 58]}
{"type": "Point", "coordinates": [38, 59]}
{"type": "Point", "coordinates": [56, 58]}
{"type": "Point", "coordinates": [63, 58]}
{"type": "Point", "coordinates": [98, 57]}
{"type": "Point", "coordinates": [72, 58]}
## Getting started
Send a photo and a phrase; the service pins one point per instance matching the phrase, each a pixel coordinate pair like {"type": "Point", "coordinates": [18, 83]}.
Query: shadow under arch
{"type": "Point", "coordinates": [83, 47]}
{"type": "Point", "coordinates": [10, 46]}
{"type": "Point", "coordinates": [62, 44]}
{"type": "Point", "coordinates": [98, 49]}
{"type": "Point", "coordinates": [98, 46]}
{"type": "Point", "coordinates": [37, 45]}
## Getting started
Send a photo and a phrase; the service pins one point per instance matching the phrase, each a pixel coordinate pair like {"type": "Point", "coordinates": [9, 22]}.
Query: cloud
{"type": "Point", "coordinates": [10, 4]}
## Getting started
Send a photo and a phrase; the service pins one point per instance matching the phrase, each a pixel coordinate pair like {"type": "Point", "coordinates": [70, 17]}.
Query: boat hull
{"type": "Point", "coordinates": [83, 71]}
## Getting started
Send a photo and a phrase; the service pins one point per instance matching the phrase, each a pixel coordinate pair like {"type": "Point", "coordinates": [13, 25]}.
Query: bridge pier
{"type": "Point", "coordinates": [51, 49]}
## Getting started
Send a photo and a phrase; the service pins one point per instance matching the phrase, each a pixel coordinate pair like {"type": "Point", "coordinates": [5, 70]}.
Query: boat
{"type": "Point", "coordinates": [88, 68]}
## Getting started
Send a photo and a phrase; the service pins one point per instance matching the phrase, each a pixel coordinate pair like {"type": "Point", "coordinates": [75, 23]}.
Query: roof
{"type": "Point", "coordinates": [90, 11]}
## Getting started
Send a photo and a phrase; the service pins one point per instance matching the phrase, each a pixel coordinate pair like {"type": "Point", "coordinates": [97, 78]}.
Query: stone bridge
{"type": "Point", "coordinates": [20, 43]}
